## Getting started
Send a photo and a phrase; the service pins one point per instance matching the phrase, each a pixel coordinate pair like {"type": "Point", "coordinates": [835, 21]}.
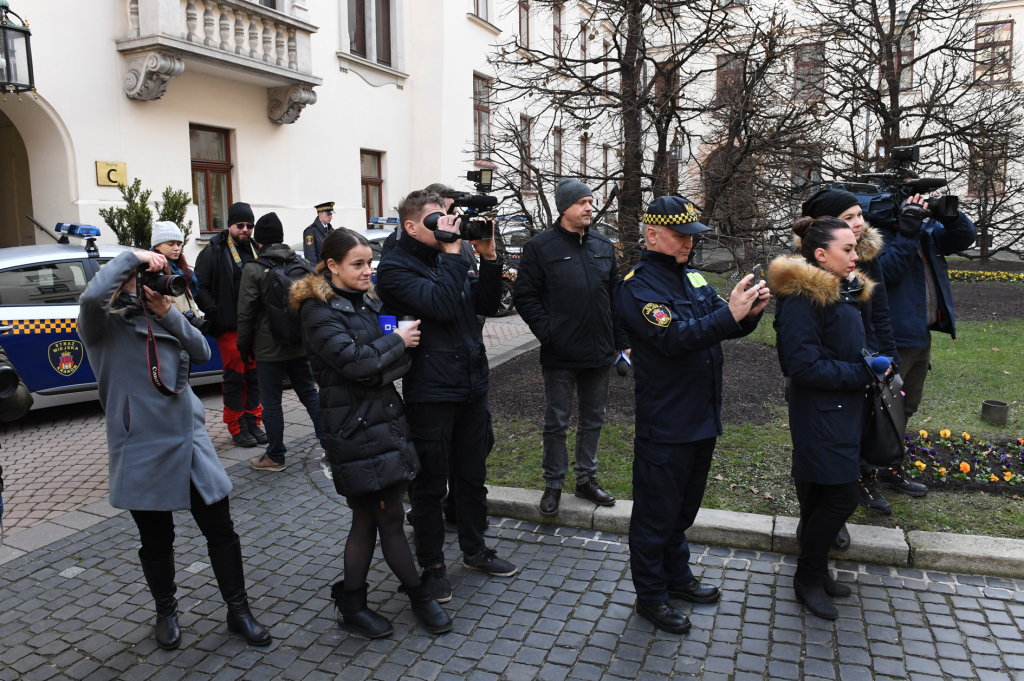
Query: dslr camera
{"type": "Point", "coordinates": [168, 285]}
{"type": "Point", "coordinates": [477, 220]}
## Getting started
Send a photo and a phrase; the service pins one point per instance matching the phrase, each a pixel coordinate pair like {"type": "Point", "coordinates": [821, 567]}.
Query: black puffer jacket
{"type": "Point", "coordinates": [368, 442]}
{"type": "Point", "coordinates": [564, 292]}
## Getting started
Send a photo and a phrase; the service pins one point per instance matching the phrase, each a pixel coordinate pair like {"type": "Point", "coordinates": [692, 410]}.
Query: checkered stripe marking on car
{"type": "Point", "coordinates": [22, 326]}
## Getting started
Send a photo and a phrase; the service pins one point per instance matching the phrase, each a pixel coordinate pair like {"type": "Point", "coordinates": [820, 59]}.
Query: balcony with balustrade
{"type": "Point", "coordinates": [239, 39]}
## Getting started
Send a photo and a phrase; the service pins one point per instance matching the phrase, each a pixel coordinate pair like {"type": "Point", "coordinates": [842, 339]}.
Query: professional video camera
{"type": "Point", "coordinates": [477, 222]}
{"type": "Point", "coordinates": [884, 195]}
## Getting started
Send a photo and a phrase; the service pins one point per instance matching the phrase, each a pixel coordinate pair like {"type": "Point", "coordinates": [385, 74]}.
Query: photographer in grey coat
{"type": "Point", "coordinates": [161, 457]}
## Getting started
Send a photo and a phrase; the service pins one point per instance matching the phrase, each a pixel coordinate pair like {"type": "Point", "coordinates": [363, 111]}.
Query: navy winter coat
{"type": "Point", "coordinates": [355, 364]}
{"type": "Point", "coordinates": [821, 334]}
{"type": "Point", "coordinates": [564, 291]}
{"type": "Point", "coordinates": [903, 272]}
{"type": "Point", "coordinates": [450, 364]}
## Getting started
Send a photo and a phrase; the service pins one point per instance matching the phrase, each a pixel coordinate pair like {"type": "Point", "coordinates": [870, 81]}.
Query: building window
{"type": "Point", "coordinates": [556, 24]}
{"type": "Point", "coordinates": [383, 21]}
{"type": "Point", "coordinates": [994, 52]}
{"type": "Point", "coordinates": [903, 56]}
{"type": "Point", "coordinates": [525, 151]}
{"type": "Point", "coordinates": [987, 169]}
{"type": "Point", "coordinates": [480, 9]}
{"type": "Point", "coordinates": [272, 4]}
{"type": "Point", "coordinates": [583, 157]}
{"type": "Point", "coordinates": [524, 23]}
{"type": "Point", "coordinates": [666, 82]}
{"type": "Point", "coordinates": [357, 27]}
{"type": "Point", "coordinates": [728, 78]}
{"type": "Point", "coordinates": [211, 175]}
{"type": "Point", "coordinates": [482, 117]}
{"type": "Point", "coordinates": [809, 71]}
{"type": "Point", "coordinates": [666, 9]}
{"type": "Point", "coordinates": [373, 183]}
{"type": "Point", "coordinates": [556, 151]}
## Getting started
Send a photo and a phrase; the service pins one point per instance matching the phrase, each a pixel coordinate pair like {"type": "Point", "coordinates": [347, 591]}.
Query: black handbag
{"type": "Point", "coordinates": [881, 443]}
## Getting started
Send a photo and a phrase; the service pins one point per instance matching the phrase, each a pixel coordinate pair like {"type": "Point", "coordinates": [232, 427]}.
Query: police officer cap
{"type": "Point", "coordinates": [676, 213]}
{"type": "Point", "coordinates": [326, 207]}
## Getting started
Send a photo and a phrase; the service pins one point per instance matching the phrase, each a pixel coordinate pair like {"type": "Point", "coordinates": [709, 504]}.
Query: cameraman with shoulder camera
{"type": "Point", "coordinates": [445, 391]}
{"type": "Point", "coordinates": [913, 264]}
{"type": "Point", "coordinates": [443, 191]}
{"type": "Point", "coordinates": [161, 457]}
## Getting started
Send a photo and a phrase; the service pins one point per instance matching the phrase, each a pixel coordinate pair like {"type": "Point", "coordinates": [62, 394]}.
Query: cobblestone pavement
{"type": "Point", "coordinates": [79, 609]}
{"type": "Point", "coordinates": [55, 460]}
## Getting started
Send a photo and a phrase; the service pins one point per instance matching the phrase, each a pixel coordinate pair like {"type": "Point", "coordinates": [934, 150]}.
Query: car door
{"type": "Point", "coordinates": [38, 318]}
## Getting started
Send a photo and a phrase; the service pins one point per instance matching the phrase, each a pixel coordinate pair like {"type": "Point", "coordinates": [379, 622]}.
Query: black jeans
{"type": "Point", "coordinates": [456, 435]}
{"type": "Point", "coordinates": [156, 528]}
{"type": "Point", "coordinates": [272, 375]}
{"type": "Point", "coordinates": [823, 510]}
{"type": "Point", "coordinates": [668, 487]}
{"type": "Point", "coordinates": [591, 388]}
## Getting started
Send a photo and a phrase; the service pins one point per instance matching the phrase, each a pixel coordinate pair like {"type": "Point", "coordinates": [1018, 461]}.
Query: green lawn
{"type": "Point", "coordinates": [752, 463]}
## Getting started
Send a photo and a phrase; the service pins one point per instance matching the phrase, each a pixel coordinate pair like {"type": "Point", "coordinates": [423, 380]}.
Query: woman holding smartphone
{"type": "Point", "coordinates": [368, 440]}
{"type": "Point", "coordinates": [820, 338]}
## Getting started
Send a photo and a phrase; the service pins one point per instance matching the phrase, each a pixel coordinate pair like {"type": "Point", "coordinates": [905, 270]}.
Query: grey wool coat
{"type": "Point", "coordinates": [156, 443]}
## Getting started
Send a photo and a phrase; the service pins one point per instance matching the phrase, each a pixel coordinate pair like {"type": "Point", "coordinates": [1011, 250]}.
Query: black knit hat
{"type": "Point", "coordinates": [269, 230]}
{"type": "Point", "coordinates": [829, 203]}
{"type": "Point", "coordinates": [240, 212]}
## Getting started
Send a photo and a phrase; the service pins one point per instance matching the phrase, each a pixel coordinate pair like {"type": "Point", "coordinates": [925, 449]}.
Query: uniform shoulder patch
{"type": "Point", "coordinates": [309, 240]}
{"type": "Point", "coordinates": [629, 275]}
{"type": "Point", "coordinates": [657, 314]}
{"type": "Point", "coordinates": [697, 279]}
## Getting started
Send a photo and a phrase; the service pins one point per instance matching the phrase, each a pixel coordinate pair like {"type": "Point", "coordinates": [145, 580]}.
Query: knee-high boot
{"type": "Point", "coordinates": [160, 578]}
{"type": "Point", "coordinates": [227, 566]}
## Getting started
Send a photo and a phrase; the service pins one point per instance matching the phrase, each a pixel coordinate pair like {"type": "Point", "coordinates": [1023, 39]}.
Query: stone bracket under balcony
{"type": "Point", "coordinates": [253, 44]}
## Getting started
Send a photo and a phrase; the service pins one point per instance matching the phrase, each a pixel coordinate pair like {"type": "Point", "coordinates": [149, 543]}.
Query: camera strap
{"type": "Point", "coordinates": [153, 356]}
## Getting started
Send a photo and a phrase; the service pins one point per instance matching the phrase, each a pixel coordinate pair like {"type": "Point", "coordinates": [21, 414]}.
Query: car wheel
{"type": "Point", "coordinates": [505, 306]}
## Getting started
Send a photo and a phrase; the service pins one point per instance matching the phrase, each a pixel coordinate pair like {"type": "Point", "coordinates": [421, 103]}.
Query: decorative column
{"type": "Point", "coordinates": [191, 21]}
{"type": "Point", "coordinates": [133, 17]}
{"type": "Point", "coordinates": [208, 23]}
{"type": "Point", "coordinates": [254, 36]}
{"type": "Point", "coordinates": [280, 44]}
{"type": "Point", "coordinates": [239, 33]}
{"type": "Point", "coordinates": [292, 57]}
{"type": "Point", "coordinates": [225, 28]}
{"type": "Point", "coordinates": [268, 42]}
{"type": "Point", "coordinates": [147, 74]}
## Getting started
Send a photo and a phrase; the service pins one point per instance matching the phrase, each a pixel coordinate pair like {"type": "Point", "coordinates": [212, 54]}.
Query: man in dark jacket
{"type": "Point", "coordinates": [676, 322]}
{"type": "Point", "coordinates": [913, 264]}
{"type": "Point", "coordinates": [219, 271]}
{"type": "Point", "coordinates": [564, 291]}
{"type": "Point", "coordinates": [445, 391]}
{"type": "Point", "coordinates": [314, 235]}
{"type": "Point", "coordinates": [275, 361]}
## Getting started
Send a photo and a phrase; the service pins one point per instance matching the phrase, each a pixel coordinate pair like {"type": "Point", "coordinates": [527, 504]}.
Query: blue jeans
{"type": "Point", "coordinates": [272, 375]}
{"type": "Point", "coordinates": [591, 388]}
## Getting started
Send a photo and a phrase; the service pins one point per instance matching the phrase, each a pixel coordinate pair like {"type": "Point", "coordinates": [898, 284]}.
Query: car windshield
{"type": "Point", "coordinates": [47, 283]}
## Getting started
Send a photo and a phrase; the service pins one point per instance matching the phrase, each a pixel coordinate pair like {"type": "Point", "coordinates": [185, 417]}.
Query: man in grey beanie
{"type": "Point", "coordinates": [564, 291]}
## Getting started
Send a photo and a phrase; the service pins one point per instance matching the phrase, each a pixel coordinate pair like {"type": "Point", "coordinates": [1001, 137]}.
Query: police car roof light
{"type": "Point", "coordinates": [82, 231]}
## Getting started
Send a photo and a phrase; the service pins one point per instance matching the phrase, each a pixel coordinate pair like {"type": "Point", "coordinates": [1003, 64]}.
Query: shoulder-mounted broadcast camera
{"type": "Point", "coordinates": [477, 220]}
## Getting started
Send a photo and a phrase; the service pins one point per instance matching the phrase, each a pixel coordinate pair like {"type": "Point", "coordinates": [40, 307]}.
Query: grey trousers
{"type": "Point", "coordinates": [914, 365]}
{"type": "Point", "coordinates": [591, 388]}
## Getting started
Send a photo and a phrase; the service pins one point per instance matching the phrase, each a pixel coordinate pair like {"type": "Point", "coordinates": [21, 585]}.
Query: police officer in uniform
{"type": "Point", "coordinates": [675, 322]}
{"type": "Point", "coordinates": [314, 235]}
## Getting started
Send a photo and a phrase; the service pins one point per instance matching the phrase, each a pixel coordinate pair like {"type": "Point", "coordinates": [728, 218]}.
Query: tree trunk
{"type": "Point", "coordinates": [631, 198]}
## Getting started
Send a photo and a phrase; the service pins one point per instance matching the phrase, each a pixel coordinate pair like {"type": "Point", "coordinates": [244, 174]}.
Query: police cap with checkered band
{"type": "Point", "coordinates": [676, 213]}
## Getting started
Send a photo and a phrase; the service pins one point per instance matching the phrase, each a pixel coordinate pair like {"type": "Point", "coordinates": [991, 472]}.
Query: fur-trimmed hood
{"type": "Point", "coordinates": [314, 286]}
{"type": "Point", "coordinates": [868, 246]}
{"type": "Point", "coordinates": [788, 276]}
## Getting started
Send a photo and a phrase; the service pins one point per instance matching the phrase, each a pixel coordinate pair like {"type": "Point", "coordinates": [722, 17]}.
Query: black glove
{"type": "Point", "coordinates": [247, 355]}
{"type": "Point", "coordinates": [950, 221]}
{"type": "Point", "coordinates": [911, 218]}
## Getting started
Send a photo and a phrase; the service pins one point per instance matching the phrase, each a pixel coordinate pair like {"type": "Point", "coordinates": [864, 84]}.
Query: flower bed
{"type": "Point", "coordinates": [965, 464]}
{"type": "Point", "coordinates": [972, 277]}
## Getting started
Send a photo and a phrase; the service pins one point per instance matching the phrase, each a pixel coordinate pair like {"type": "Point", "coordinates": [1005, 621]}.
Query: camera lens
{"type": "Point", "coordinates": [168, 284]}
{"type": "Point", "coordinates": [8, 381]}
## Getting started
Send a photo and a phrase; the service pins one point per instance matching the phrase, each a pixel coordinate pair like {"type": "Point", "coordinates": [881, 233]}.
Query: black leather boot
{"type": "Point", "coordinates": [355, 616]}
{"type": "Point", "coordinates": [664, 617]}
{"type": "Point", "coordinates": [816, 600]}
{"type": "Point", "coordinates": [695, 592]}
{"type": "Point", "coordinates": [160, 578]}
{"type": "Point", "coordinates": [431, 614]}
{"type": "Point", "coordinates": [254, 430]}
{"type": "Point", "coordinates": [896, 479]}
{"type": "Point", "coordinates": [549, 501]}
{"type": "Point", "coordinates": [591, 491]}
{"type": "Point", "coordinates": [227, 566]}
{"type": "Point", "coordinates": [833, 588]}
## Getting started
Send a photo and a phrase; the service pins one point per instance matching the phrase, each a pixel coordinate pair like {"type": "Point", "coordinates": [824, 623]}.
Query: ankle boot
{"type": "Point", "coordinates": [833, 588]}
{"type": "Point", "coordinates": [227, 566]}
{"type": "Point", "coordinates": [355, 616]}
{"type": "Point", "coordinates": [425, 605]}
{"type": "Point", "coordinates": [816, 600]}
{"type": "Point", "coordinates": [160, 578]}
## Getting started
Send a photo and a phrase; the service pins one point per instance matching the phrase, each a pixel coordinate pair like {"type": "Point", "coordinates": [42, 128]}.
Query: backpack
{"type": "Point", "coordinates": [285, 323]}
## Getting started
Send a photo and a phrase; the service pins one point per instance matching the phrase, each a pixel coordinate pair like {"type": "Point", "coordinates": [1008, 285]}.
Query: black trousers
{"type": "Point", "coordinates": [455, 437]}
{"type": "Point", "coordinates": [823, 510]}
{"type": "Point", "coordinates": [156, 528]}
{"type": "Point", "coordinates": [668, 487]}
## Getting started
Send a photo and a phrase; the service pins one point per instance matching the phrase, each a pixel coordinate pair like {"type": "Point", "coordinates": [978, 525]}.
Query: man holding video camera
{"type": "Point", "coordinates": [445, 391]}
{"type": "Point", "coordinates": [913, 264]}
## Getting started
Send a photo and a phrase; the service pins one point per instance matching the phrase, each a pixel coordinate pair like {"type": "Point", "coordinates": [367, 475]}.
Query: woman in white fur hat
{"type": "Point", "coordinates": [168, 240]}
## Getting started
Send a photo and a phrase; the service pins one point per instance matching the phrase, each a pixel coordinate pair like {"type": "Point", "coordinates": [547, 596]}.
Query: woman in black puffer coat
{"type": "Point", "coordinates": [821, 335]}
{"type": "Point", "coordinates": [368, 445]}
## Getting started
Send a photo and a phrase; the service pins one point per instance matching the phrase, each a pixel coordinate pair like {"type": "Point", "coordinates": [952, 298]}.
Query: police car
{"type": "Point", "coordinates": [39, 291]}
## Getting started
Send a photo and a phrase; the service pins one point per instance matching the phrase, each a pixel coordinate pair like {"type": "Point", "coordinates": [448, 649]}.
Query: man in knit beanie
{"type": "Point", "coordinates": [263, 295]}
{"type": "Point", "coordinates": [564, 291]}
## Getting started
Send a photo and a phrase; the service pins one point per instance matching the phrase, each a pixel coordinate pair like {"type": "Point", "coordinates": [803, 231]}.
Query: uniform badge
{"type": "Point", "coordinates": [66, 356]}
{"type": "Point", "coordinates": [657, 314]}
{"type": "Point", "coordinates": [309, 240]}
{"type": "Point", "coordinates": [697, 279]}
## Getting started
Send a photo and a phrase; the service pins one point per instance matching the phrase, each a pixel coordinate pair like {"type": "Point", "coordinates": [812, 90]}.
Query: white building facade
{"type": "Point", "coordinates": [282, 104]}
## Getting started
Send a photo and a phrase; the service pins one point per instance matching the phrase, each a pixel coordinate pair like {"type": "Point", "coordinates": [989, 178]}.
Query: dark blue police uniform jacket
{"type": "Point", "coordinates": [675, 322]}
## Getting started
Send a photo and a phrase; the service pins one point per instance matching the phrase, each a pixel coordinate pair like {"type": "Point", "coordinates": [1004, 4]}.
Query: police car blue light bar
{"type": "Point", "coordinates": [71, 229]}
